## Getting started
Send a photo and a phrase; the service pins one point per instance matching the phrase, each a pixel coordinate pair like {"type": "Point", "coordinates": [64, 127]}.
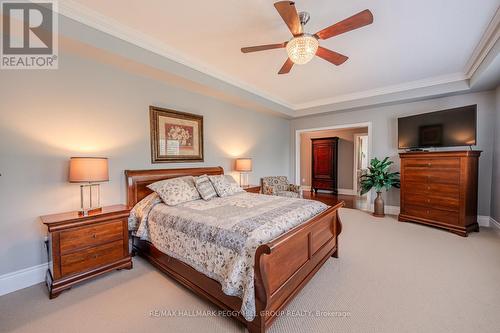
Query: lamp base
{"type": "Point", "coordinates": [243, 179]}
{"type": "Point", "coordinates": [90, 202]}
{"type": "Point", "coordinates": [89, 212]}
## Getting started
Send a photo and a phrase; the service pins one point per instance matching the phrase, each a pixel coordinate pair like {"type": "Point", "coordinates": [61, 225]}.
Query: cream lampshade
{"type": "Point", "coordinates": [90, 170]}
{"type": "Point", "coordinates": [243, 166]}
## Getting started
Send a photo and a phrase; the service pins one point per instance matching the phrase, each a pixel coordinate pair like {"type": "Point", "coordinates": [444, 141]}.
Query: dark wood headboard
{"type": "Point", "coordinates": [138, 180]}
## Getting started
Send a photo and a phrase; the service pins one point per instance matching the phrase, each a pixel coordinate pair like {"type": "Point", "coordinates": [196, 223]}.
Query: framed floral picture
{"type": "Point", "coordinates": [175, 136]}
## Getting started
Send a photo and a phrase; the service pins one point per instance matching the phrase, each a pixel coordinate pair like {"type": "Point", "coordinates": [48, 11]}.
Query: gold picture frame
{"type": "Point", "coordinates": [175, 136]}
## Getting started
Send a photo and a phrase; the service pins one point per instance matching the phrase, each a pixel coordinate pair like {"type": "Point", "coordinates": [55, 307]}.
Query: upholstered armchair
{"type": "Point", "coordinates": [280, 186]}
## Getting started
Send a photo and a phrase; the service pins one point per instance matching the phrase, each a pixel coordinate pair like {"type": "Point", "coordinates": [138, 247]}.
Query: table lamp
{"type": "Point", "coordinates": [243, 166]}
{"type": "Point", "coordinates": [91, 171]}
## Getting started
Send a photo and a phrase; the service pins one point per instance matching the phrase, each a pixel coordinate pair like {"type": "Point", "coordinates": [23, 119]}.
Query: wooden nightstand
{"type": "Point", "coordinates": [252, 188]}
{"type": "Point", "coordinates": [82, 247]}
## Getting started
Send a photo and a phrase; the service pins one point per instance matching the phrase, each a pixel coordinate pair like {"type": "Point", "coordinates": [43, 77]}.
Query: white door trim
{"type": "Point", "coordinates": [355, 164]}
{"type": "Point", "coordinates": [343, 126]}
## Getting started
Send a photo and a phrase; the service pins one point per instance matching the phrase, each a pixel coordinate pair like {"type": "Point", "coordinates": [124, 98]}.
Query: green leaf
{"type": "Point", "coordinates": [379, 176]}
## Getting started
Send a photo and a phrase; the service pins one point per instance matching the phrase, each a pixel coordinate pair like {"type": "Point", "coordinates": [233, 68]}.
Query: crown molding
{"type": "Point", "coordinates": [485, 45]}
{"type": "Point", "coordinates": [408, 86]}
{"type": "Point", "coordinates": [395, 93]}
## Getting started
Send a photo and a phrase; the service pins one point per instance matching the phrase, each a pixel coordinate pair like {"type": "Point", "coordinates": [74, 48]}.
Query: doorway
{"type": "Point", "coordinates": [354, 153]}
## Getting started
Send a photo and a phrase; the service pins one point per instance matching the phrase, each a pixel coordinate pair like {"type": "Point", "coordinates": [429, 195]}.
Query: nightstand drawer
{"type": "Point", "coordinates": [91, 258]}
{"type": "Point", "coordinates": [72, 240]}
{"type": "Point", "coordinates": [252, 188]}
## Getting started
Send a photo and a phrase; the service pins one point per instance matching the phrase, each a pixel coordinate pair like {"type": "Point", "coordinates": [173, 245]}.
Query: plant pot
{"type": "Point", "coordinates": [378, 206]}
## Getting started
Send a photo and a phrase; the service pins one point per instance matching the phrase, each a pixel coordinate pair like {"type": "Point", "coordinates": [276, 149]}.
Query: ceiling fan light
{"type": "Point", "coordinates": [302, 49]}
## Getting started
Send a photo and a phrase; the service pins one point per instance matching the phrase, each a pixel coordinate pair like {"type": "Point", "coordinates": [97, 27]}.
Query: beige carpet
{"type": "Point", "coordinates": [390, 277]}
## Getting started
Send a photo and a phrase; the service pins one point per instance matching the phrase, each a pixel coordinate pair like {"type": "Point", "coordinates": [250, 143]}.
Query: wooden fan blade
{"type": "Point", "coordinates": [287, 66]}
{"type": "Point", "coordinates": [262, 47]}
{"type": "Point", "coordinates": [331, 56]}
{"type": "Point", "coordinates": [288, 13]}
{"type": "Point", "coordinates": [354, 22]}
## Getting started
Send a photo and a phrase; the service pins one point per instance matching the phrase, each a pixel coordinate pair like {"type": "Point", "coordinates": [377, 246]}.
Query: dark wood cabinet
{"type": "Point", "coordinates": [440, 189]}
{"type": "Point", "coordinates": [82, 247]}
{"type": "Point", "coordinates": [324, 164]}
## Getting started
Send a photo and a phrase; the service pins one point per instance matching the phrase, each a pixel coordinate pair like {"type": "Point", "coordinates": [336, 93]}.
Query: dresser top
{"type": "Point", "coordinates": [75, 216]}
{"type": "Point", "coordinates": [450, 153]}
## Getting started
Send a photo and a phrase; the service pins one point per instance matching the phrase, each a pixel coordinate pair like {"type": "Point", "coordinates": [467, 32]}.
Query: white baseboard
{"type": "Point", "coordinates": [23, 278]}
{"type": "Point", "coordinates": [390, 210]}
{"type": "Point", "coordinates": [483, 221]}
{"type": "Point", "coordinates": [494, 223]}
{"type": "Point", "coordinates": [346, 191]}
{"type": "Point", "coordinates": [305, 187]}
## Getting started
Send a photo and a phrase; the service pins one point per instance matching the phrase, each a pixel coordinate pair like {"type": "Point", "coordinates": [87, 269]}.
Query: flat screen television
{"type": "Point", "coordinates": [447, 128]}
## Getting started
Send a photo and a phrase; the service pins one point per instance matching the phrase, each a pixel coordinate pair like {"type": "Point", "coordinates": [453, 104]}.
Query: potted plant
{"type": "Point", "coordinates": [379, 178]}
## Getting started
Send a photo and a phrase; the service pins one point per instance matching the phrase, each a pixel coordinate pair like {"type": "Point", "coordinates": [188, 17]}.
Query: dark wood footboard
{"type": "Point", "coordinates": [282, 266]}
{"type": "Point", "coordinates": [285, 265]}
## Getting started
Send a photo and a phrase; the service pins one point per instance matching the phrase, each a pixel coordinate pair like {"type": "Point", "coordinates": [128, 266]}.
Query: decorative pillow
{"type": "Point", "coordinates": [176, 190]}
{"type": "Point", "coordinates": [205, 187]}
{"type": "Point", "coordinates": [139, 214]}
{"type": "Point", "coordinates": [225, 185]}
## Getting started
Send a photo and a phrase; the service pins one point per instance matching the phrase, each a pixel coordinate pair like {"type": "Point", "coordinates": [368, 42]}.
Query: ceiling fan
{"type": "Point", "coordinates": [304, 46]}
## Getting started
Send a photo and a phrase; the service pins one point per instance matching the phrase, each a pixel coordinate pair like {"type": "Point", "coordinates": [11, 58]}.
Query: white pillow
{"type": "Point", "coordinates": [176, 190]}
{"type": "Point", "coordinates": [225, 185]}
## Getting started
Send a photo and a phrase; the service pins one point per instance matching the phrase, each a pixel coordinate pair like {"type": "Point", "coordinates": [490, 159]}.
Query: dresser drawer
{"type": "Point", "coordinates": [429, 175]}
{"type": "Point", "coordinates": [74, 239]}
{"type": "Point", "coordinates": [434, 163]}
{"type": "Point", "coordinates": [432, 214]}
{"type": "Point", "coordinates": [93, 257]}
{"type": "Point", "coordinates": [445, 190]}
{"type": "Point", "coordinates": [432, 201]}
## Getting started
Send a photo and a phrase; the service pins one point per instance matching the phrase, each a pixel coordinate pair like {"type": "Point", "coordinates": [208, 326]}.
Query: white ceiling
{"type": "Point", "coordinates": [410, 43]}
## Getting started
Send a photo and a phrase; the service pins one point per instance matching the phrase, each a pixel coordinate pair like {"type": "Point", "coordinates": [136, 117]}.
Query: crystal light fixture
{"type": "Point", "coordinates": [302, 49]}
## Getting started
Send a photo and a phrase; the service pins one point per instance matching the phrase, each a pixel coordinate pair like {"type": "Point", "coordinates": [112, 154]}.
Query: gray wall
{"type": "Point", "coordinates": [384, 133]}
{"type": "Point", "coordinates": [495, 190]}
{"type": "Point", "coordinates": [345, 157]}
{"type": "Point", "coordinates": [86, 108]}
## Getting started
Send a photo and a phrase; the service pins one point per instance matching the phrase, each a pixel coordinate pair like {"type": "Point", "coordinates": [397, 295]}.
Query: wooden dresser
{"type": "Point", "coordinates": [324, 153]}
{"type": "Point", "coordinates": [82, 247]}
{"type": "Point", "coordinates": [440, 189]}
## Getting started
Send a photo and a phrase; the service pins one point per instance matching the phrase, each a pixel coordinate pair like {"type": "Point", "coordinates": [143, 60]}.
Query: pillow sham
{"type": "Point", "coordinates": [205, 187]}
{"type": "Point", "coordinates": [225, 185]}
{"type": "Point", "coordinates": [139, 214]}
{"type": "Point", "coordinates": [176, 190]}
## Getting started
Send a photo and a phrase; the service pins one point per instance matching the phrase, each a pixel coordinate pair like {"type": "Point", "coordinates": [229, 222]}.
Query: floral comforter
{"type": "Point", "coordinates": [219, 237]}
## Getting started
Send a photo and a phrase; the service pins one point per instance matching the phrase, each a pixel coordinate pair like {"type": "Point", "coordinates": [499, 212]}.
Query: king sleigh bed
{"type": "Point", "coordinates": [280, 266]}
